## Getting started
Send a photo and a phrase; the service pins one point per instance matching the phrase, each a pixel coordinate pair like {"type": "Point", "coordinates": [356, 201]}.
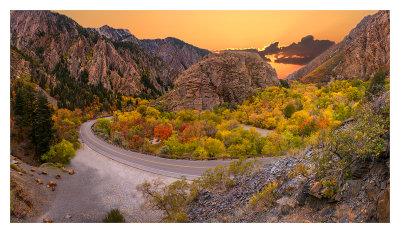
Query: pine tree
{"type": "Point", "coordinates": [42, 134]}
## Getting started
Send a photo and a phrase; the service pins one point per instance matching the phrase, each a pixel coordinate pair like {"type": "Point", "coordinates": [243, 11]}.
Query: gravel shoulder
{"type": "Point", "coordinates": [99, 185]}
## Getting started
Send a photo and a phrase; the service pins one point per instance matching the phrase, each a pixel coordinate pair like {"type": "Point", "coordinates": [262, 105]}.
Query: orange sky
{"type": "Point", "coordinates": [215, 30]}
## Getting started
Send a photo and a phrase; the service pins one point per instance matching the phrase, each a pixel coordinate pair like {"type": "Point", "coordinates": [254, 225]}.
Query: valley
{"type": "Point", "coordinates": [107, 127]}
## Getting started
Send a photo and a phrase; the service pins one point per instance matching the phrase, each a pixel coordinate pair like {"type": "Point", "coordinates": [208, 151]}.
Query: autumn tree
{"type": "Point", "coordinates": [163, 131]}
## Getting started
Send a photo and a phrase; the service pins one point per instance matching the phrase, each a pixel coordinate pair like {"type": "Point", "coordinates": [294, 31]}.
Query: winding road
{"type": "Point", "coordinates": [167, 167]}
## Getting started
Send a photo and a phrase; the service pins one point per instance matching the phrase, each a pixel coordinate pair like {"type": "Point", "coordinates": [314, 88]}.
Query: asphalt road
{"type": "Point", "coordinates": [162, 166]}
{"type": "Point", "coordinates": [167, 167]}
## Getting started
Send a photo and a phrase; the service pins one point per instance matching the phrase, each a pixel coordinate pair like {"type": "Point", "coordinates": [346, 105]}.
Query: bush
{"type": "Point", "coordinates": [171, 199]}
{"type": "Point", "coordinates": [377, 84]}
{"type": "Point", "coordinates": [60, 153]}
{"type": "Point", "coordinates": [104, 125]}
{"type": "Point", "coordinates": [214, 147]}
{"type": "Point", "coordinates": [174, 199]}
{"type": "Point", "coordinates": [284, 83]}
{"type": "Point", "coordinates": [114, 216]}
{"type": "Point", "coordinates": [17, 168]}
{"type": "Point", "coordinates": [264, 198]}
{"type": "Point", "coordinates": [164, 150]}
{"type": "Point", "coordinates": [289, 110]}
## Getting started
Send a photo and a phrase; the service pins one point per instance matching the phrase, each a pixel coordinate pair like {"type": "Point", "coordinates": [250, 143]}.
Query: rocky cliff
{"type": "Point", "coordinates": [225, 77]}
{"type": "Point", "coordinates": [364, 51]}
{"type": "Point", "coordinates": [48, 40]}
{"type": "Point", "coordinates": [174, 52]}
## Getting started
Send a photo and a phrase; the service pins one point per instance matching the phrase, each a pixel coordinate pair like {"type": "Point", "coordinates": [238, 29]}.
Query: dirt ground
{"type": "Point", "coordinates": [99, 185]}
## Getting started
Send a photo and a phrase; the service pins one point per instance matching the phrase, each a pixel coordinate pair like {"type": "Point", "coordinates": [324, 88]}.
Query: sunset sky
{"type": "Point", "coordinates": [218, 30]}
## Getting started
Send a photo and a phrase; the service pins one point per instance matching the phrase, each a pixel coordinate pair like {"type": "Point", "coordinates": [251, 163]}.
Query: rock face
{"type": "Point", "coordinates": [297, 197]}
{"type": "Point", "coordinates": [226, 77]}
{"type": "Point", "coordinates": [364, 51]}
{"type": "Point", "coordinates": [174, 52]}
{"type": "Point", "coordinates": [114, 34]}
{"type": "Point", "coordinates": [46, 39]}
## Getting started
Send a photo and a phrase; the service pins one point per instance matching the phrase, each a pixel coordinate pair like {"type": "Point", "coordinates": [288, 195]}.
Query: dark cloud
{"type": "Point", "coordinates": [302, 52]}
{"type": "Point", "coordinates": [271, 49]}
{"type": "Point", "coordinates": [299, 53]}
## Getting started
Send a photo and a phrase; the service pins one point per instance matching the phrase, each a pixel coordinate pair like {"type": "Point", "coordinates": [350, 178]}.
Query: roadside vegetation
{"type": "Point", "coordinates": [175, 198]}
{"type": "Point", "coordinates": [355, 128]}
{"type": "Point", "coordinates": [48, 133]}
{"type": "Point", "coordinates": [114, 216]}
{"type": "Point", "coordinates": [295, 114]}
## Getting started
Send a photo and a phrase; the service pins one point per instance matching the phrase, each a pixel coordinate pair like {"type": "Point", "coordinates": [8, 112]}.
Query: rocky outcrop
{"type": "Point", "coordinates": [176, 53]}
{"type": "Point", "coordinates": [115, 34]}
{"type": "Point", "coordinates": [364, 51]}
{"type": "Point", "coordinates": [225, 77]}
{"type": "Point", "coordinates": [298, 197]}
{"type": "Point", "coordinates": [47, 39]}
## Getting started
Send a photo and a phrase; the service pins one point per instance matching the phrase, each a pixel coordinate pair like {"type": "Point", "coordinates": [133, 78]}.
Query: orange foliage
{"type": "Point", "coordinates": [136, 141]}
{"type": "Point", "coordinates": [163, 131]}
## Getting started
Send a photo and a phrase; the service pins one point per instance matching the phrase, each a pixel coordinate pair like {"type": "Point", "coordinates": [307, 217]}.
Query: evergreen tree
{"type": "Point", "coordinates": [42, 135]}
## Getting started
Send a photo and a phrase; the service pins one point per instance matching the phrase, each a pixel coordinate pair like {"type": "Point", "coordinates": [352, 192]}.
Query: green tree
{"type": "Point", "coordinates": [104, 125]}
{"type": "Point", "coordinates": [60, 153]}
{"type": "Point", "coordinates": [377, 84]}
{"type": "Point", "coordinates": [289, 110]}
{"type": "Point", "coordinates": [214, 147]}
{"type": "Point", "coordinates": [42, 134]}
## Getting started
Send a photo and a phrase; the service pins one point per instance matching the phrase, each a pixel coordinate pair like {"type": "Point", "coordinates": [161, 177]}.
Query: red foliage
{"type": "Point", "coordinates": [183, 126]}
{"type": "Point", "coordinates": [139, 121]}
{"type": "Point", "coordinates": [192, 132]}
{"type": "Point", "coordinates": [136, 141]}
{"type": "Point", "coordinates": [163, 131]}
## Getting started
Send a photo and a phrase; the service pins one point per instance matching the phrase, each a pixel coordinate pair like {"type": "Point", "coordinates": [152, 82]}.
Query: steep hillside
{"type": "Point", "coordinates": [176, 53]}
{"type": "Point", "coordinates": [55, 44]}
{"type": "Point", "coordinates": [225, 77]}
{"type": "Point", "coordinates": [364, 51]}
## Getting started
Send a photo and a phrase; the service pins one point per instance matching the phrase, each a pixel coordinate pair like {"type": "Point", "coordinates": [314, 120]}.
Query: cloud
{"type": "Point", "coordinates": [299, 53]}
{"type": "Point", "coordinates": [302, 52]}
{"type": "Point", "coordinates": [271, 49]}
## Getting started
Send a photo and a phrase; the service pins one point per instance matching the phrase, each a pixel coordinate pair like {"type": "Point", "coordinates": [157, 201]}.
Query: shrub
{"type": "Point", "coordinates": [377, 84]}
{"type": "Point", "coordinates": [17, 168]}
{"type": "Point", "coordinates": [114, 216]}
{"type": "Point", "coordinates": [289, 110]}
{"type": "Point", "coordinates": [214, 147]}
{"type": "Point", "coordinates": [264, 198]}
{"type": "Point", "coordinates": [60, 153]}
{"type": "Point", "coordinates": [104, 125]}
{"type": "Point", "coordinates": [188, 115]}
{"type": "Point", "coordinates": [284, 83]}
{"type": "Point", "coordinates": [136, 141]}
{"type": "Point", "coordinates": [163, 131]}
{"type": "Point", "coordinates": [175, 147]}
{"type": "Point", "coordinates": [164, 150]}
{"type": "Point", "coordinates": [171, 199]}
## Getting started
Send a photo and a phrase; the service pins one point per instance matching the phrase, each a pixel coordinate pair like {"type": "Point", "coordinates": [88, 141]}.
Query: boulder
{"type": "Point", "coordinates": [383, 208]}
{"type": "Point", "coordinates": [315, 190]}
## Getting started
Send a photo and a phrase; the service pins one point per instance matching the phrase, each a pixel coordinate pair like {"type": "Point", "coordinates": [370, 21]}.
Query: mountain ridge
{"type": "Point", "coordinates": [367, 43]}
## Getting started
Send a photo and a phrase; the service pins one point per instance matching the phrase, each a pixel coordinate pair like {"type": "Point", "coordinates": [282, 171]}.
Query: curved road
{"type": "Point", "coordinates": [167, 167]}
{"type": "Point", "coordinates": [162, 166]}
